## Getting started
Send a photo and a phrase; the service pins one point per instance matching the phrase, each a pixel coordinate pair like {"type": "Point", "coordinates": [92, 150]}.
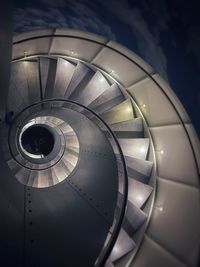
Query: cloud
{"type": "Point", "coordinates": [54, 3]}
{"type": "Point", "coordinates": [82, 15]}
{"type": "Point", "coordinates": [75, 15]}
{"type": "Point", "coordinates": [148, 41]}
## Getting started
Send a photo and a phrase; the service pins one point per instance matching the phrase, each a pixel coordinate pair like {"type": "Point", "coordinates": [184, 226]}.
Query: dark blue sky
{"type": "Point", "coordinates": [166, 33]}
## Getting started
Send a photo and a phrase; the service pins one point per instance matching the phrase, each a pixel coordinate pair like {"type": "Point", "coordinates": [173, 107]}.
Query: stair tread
{"type": "Point", "coordinates": [123, 245]}
{"type": "Point", "coordinates": [119, 113]}
{"type": "Point", "coordinates": [64, 73]}
{"type": "Point", "coordinates": [135, 148]}
{"type": "Point", "coordinates": [80, 72]}
{"type": "Point", "coordinates": [95, 87]}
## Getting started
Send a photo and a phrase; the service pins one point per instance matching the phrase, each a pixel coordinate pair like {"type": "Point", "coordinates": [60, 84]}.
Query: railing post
{"type": "Point", "coordinates": [6, 32]}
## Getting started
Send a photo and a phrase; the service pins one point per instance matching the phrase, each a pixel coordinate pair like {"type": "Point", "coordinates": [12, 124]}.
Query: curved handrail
{"type": "Point", "coordinates": [104, 254]}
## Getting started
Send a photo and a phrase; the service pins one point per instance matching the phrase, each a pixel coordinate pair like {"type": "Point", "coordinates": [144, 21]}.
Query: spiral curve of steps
{"type": "Point", "coordinates": [58, 75]}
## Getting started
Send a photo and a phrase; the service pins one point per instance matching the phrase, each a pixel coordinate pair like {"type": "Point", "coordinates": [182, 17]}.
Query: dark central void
{"type": "Point", "coordinates": [38, 140]}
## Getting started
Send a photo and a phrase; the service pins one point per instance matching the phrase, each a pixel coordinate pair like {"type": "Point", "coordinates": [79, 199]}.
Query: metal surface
{"type": "Point", "coordinates": [96, 86]}
{"type": "Point", "coordinates": [64, 73]}
{"type": "Point", "coordinates": [32, 76]}
{"type": "Point", "coordinates": [12, 217]}
{"type": "Point", "coordinates": [119, 113]}
{"type": "Point", "coordinates": [153, 254]}
{"type": "Point", "coordinates": [50, 79]}
{"type": "Point", "coordinates": [128, 129]}
{"type": "Point", "coordinates": [18, 90]}
{"type": "Point", "coordinates": [90, 185]}
{"type": "Point", "coordinates": [108, 99]}
{"type": "Point", "coordinates": [61, 221]}
{"type": "Point", "coordinates": [38, 166]}
{"type": "Point", "coordinates": [81, 72]}
{"type": "Point", "coordinates": [134, 219]}
{"type": "Point", "coordinates": [43, 69]}
{"type": "Point", "coordinates": [138, 193]}
{"type": "Point", "coordinates": [135, 148]}
{"type": "Point", "coordinates": [139, 169]}
{"type": "Point", "coordinates": [123, 245]}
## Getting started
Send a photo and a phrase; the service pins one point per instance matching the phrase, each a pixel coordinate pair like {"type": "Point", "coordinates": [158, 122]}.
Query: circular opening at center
{"type": "Point", "coordinates": [37, 140]}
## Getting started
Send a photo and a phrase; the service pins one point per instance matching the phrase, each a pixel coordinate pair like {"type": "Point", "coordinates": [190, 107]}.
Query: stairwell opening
{"type": "Point", "coordinates": [37, 140]}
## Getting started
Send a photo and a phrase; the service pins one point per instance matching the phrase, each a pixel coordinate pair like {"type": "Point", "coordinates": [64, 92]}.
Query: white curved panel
{"type": "Point", "coordinates": [151, 254]}
{"type": "Point", "coordinates": [32, 47]}
{"type": "Point", "coordinates": [119, 67]}
{"type": "Point", "coordinates": [130, 54]}
{"type": "Point", "coordinates": [173, 97]}
{"type": "Point", "coordinates": [75, 48]}
{"type": "Point", "coordinates": [153, 103]}
{"type": "Point", "coordinates": [175, 219]}
{"type": "Point", "coordinates": [174, 155]}
{"type": "Point", "coordinates": [32, 34]}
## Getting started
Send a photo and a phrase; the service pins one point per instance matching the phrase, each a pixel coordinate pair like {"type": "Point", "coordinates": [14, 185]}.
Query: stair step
{"type": "Point", "coordinates": [32, 76]}
{"type": "Point", "coordinates": [72, 151]}
{"type": "Point", "coordinates": [64, 73]}
{"type": "Point", "coordinates": [49, 89]}
{"type": "Point", "coordinates": [119, 113]}
{"type": "Point", "coordinates": [134, 219]}
{"type": "Point", "coordinates": [128, 129]}
{"type": "Point", "coordinates": [24, 85]}
{"type": "Point", "coordinates": [44, 178]}
{"type": "Point", "coordinates": [134, 148]}
{"type": "Point", "coordinates": [53, 120]}
{"type": "Point", "coordinates": [96, 86]}
{"type": "Point", "coordinates": [65, 128]}
{"type": "Point", "coordinates": [23, 175]}
{"type": "Point", "coordinates": [123, 245]}
{"type": "Point", "coordinates": [44, 70]}
{"type": "Point", "coordinates": [61, 170]}
{"type": "Point", "coordinates": [54, 176]}
{"type": "Point", "coordinates": [108, 99]}
{"type": "Point", "coordinates": [33, 178]}
{"type": "Point", "coordinates": [70, 157]}
{"type": "Point", "coordinates": [139, 169]}
{"type": "Point", "coordinates": [81, 76]}
{"type": "Point", "coordinates": [138, 193]}
{"type": "Point", "coordinates": [72, 141]}
{"type": "Point", "coordinates": [14, 165]}
{"type": "Point", "coordinates": [75, 149]}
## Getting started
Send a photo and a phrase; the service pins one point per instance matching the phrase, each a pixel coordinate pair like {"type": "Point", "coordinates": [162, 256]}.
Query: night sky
{"type": "Point", "coordinates": [165, 33]}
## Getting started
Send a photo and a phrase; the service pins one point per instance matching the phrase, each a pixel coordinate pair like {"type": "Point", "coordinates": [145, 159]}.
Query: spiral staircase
{"type": "Point", "coordinates": [101, 156]}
